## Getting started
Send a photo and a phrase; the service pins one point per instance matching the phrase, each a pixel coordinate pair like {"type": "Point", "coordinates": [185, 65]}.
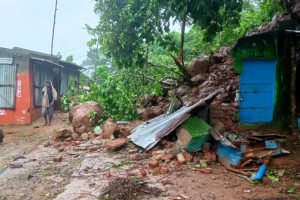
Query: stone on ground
{"type": "Point", "coordinates": [85, 116]}
{"type": "Point", "coordinates": [61, 134]}
{"type": "Point", "coordinates": [115, 144]}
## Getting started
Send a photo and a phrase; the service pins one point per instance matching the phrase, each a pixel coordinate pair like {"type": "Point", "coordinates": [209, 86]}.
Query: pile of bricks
{"type": "Point", "coordinates": [221, 76]}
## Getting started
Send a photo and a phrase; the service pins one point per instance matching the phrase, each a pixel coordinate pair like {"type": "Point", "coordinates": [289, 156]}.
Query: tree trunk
{"type": "Point", "coordinates": [180, 61]}
{"type": "Point", "coordinates": [182, 41]}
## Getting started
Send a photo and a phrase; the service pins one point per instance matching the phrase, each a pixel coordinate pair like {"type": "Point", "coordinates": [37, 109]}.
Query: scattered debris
{"type": "Point", "coordinates": [193, 133]}
{"type": "Point", "coordinates": [181, 158]}
{"type": "Point", "coordinates": [148, 134]}
{"type": "Point", "coordinates": [62, 134]}
{"type": "Point", "coordinates": [110, 129]}
{"type": "Point", "coordinates": [128, 189]}
{"type": "Point", "coordinates": [57, 158]}
{"type": "Point", "coordinates": [262, 170]}
{"type": "Point", "coordinates": [153, 164]}
{"type": "Point", "coordinates": [271, 144]}
{"type": "Point", "coordinates": [228, 156]}
{"type": "Point", "coordinates": [116, 144]}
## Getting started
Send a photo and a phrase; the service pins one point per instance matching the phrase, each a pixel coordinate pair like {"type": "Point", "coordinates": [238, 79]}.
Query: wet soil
{"type": "Point", "coordinates": [83, 174]}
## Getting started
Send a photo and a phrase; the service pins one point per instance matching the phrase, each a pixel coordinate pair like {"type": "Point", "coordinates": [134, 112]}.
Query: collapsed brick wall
{"type": "Point", "coordinates": [208, 76]}
{"type": "Point", "coordinates": [224, 116]}
{"type": "Point", "coordinates": [224, 108]}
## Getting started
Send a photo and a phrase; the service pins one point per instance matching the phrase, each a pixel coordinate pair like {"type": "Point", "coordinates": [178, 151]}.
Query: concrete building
{"type": "Point", "coordinates": [22, 76]}
{"type": "Point", "coordinates": [268, 61]}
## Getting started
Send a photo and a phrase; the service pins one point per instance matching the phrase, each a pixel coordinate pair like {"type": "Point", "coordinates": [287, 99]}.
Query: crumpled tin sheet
{"type": "Point", "coordinates": [148, 134]}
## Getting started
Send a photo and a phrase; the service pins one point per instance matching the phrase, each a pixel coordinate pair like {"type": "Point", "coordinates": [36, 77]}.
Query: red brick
{"type": "Point", "coordinates": [92, 148]}
{"type": "Point", "coordinates": [153, 164]}
{"type": "Point", "coordinates": [168, 157]}
{"type": "Point", "coordinates": [164, 170]}
{"type": "Point", "coordinates": [67, 144]}
{"type": "Point", "coordinates": [139, 156]}
{"type": "Point", "coordinates": [188, 157]}
{"type": "Point", "coordinates": [266, 180]}
{"type": "Point", "coordinates": [175, 163]}
{"type": "Point", "coordinates": [116, 144]}
{"type": "Point", "coordinates": [205, 170]}
{"type": "Point", "coordinates": [57, 145]}
{"type": "Point", "coordinates": [156, 170]}
{"type": "Point", "coordinates": [210, 156]}
{"type": "Point", "coordinates": [158, 152]}
{"type": "Point", "coordinates": [143, 172]}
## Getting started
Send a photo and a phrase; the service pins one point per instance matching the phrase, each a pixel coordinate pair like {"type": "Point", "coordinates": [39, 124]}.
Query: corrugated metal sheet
{"type": "Point", "coordinates": [7, 85]}
{"type": "Point", "coordinates": [7, 61]}
{"type": "Point", "coordinates": [148, 134]}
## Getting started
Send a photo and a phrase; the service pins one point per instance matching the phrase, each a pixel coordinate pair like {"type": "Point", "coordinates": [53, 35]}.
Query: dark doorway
{"type": "Point", "coordinates": [298, 83]}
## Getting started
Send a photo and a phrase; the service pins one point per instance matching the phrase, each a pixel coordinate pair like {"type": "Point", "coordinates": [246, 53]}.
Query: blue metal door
{"type": "Point", "coordinates": [257, 91]}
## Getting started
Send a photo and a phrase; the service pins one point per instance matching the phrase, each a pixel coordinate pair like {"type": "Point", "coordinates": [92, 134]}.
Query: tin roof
{"type": "Point", "coordinates": [148, 134]}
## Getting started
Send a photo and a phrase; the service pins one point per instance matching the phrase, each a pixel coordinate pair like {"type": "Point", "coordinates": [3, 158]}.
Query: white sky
{"type": "Point", "coordinates": [28, 24]}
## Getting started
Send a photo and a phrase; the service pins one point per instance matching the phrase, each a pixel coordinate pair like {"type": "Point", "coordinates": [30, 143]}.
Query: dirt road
{"type": "Point", "coordinates": [84, 172]}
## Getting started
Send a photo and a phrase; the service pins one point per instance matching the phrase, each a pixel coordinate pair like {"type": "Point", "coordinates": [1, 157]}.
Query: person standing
{"type": "Point", "coordinates": [49, 96]}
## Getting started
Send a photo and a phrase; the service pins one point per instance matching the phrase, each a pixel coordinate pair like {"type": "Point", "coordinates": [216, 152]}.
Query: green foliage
{"type": "Point", "coordinates": [292, 190]}
{"type": "Point", "coordinates": [121, 164]}
{"type": "Point", "coordinates": [126, 28]}
{"type": "Point", "coordinates": [253, 15]}
{"type": "Point", "coordinates": [272, 175]}
{"type": "Point", "coordinates": [117, 91]}
{"type": "Point", "coordinates": [133, 38]}
{"type": "Point", "coordinates": [70, 58]}
{"type": "Point", "coordinates": [92, 115]}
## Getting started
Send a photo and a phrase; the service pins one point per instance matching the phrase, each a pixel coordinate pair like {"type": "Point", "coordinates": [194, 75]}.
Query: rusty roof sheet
{"type": "Point", "coordinates": [148, 134]}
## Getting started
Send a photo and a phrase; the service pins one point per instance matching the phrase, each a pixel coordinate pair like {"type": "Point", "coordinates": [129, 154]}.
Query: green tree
{"type": "Point", "coordinates": [70, 58]}
{"type": "Point", "coordinates": [126, 28]}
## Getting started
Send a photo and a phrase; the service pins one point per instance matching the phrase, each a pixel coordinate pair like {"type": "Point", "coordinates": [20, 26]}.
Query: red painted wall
{"type": "Point", "coordinates": [22, 112]}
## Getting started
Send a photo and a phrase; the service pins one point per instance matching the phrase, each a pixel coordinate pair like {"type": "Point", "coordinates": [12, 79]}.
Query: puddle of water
{"type": "Point", "coordinates": [5, 171]}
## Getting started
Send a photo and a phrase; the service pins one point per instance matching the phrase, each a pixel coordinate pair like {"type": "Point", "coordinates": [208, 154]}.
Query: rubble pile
{"type": "Point", "coordinates": [208, 75]}
{"type": "Point", "coordinates": [150, 106]}
{"type": "Point", "coordinates": [113, 136]}
{"type": "Point", "coordinates": [220, 76]}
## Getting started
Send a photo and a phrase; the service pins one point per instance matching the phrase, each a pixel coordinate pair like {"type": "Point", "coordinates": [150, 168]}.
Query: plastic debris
{"type": "Point", "coordinates": [271, 144]}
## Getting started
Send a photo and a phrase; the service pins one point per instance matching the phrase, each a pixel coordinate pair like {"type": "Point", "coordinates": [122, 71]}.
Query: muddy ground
{"type": "Point", "coordinates": [84, 173]}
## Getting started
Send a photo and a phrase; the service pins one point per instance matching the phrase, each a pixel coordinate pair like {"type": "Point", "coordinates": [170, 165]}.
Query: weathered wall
{"type": "Point", "coordinates": [22, 112]}
{"type": "Point", "coordinates": [271, 45]}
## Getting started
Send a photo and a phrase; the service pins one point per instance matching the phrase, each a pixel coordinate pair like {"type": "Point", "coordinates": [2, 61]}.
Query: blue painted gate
{"type": "Point", "coordinates": [257, 91]}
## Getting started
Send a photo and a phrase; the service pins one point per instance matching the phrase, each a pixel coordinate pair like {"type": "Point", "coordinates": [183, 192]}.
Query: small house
{"type": "Point", "coordinates": [22, 76]}
{"type": "Point", "coordinates": [268, 61]}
